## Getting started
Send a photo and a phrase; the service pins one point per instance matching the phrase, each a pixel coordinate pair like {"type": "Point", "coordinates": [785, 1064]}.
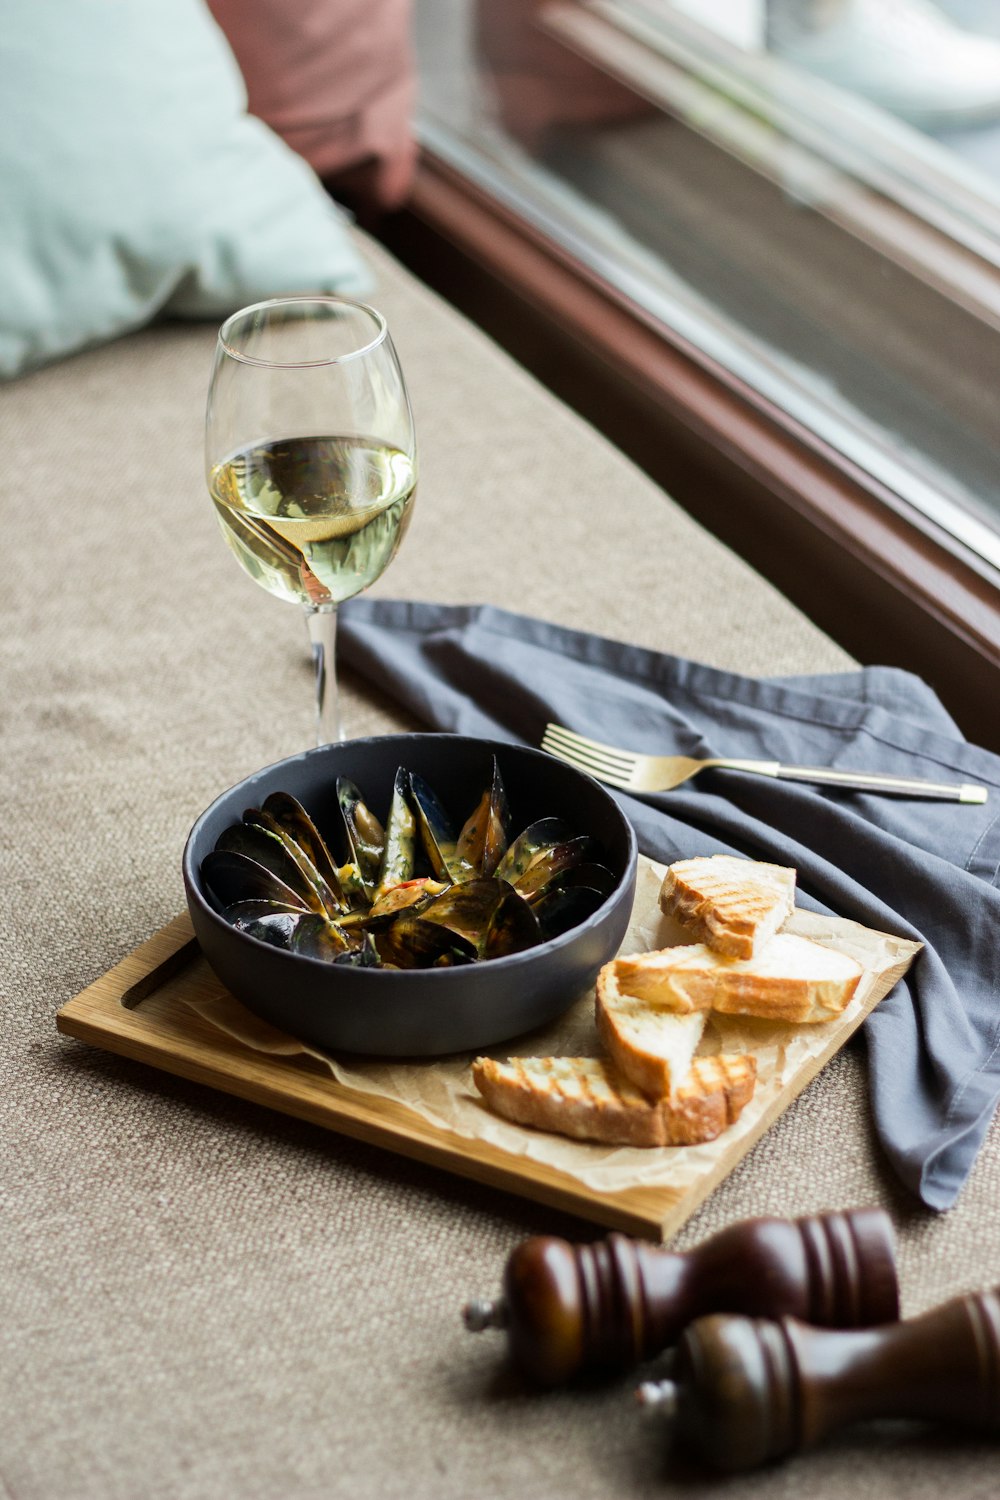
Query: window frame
{"type": "Point", "coordinates": [881, 579]}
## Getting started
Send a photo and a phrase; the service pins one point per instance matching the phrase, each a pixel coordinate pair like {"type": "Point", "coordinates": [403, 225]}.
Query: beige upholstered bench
{"type": "Point", "coordinates": [204, 1299]}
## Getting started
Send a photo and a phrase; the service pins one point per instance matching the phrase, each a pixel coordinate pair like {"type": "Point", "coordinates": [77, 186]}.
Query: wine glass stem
{"type": "Point", "coordinates": [322, 625]}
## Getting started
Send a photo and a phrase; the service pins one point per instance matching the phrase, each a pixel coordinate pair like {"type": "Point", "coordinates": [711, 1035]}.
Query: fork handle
{"type": "Point", "coordinates": [858, 781]}
{"type": "Point", "coordinates": [871, 781]}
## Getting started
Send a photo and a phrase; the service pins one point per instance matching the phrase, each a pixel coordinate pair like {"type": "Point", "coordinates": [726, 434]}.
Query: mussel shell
{"type": "Point", "coordinates": [437, 832]}
{"type": "Point", "coordinates": [553, 862]}
{"type": "Point", "coordinates": [365, 833]}
{"type": "Point", "coordinates": [232, 877]}
{"type": "Point", "coordinates": [453, 958]}
{"type": "Point", "coordinates": [251, 910]}
{"type": "Point", "coordinates": [482, 842]}
{"type": "Point", "coordinates": [596, 877]}
{"type": "Point", "coordinates": [268, 920]}
{"type": "Point", "coordinates": [267, 848]}
{"type": "Point", "coordinates": [529, 844]}
{"type": "Point", "coordinates": [329, 897]}
{"type": "Point", "coordinates": [399, 857]}
{"type": "Point", "coordinates": [288, 812]}
{"type": "Point", "coordinates": [468, 909]}
{"type": "Point", "coordinates": [411, 943]}
{"type": "Point", "coordinates": [513, 927]}
{"type": "Point", "coordinates": [365, 957]}
{"type": "Point", "coordinates": [565, 907]}
{"type": "Point", "coordinates": [275, 928]}
{"type": "Point", "coordinates": [317, 937]}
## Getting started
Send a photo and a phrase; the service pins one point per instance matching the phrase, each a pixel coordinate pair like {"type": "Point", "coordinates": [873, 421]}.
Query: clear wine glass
{"type": "Point", "coordinates": [311, 459]}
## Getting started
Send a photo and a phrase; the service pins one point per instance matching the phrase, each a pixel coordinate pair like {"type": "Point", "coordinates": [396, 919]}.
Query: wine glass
{"type": "Point", "coordinates": [311, 459]}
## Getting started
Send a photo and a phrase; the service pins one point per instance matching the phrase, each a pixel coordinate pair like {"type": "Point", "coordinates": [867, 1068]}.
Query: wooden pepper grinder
{"type": "Point", "coordinates": [746, 1390]}
{"type": "Point", "coordinates": [571, 1310]}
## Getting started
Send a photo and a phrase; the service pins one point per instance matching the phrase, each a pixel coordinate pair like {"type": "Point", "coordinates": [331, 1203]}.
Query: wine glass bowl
{"type": "Point", "coordinates": [311, 458]}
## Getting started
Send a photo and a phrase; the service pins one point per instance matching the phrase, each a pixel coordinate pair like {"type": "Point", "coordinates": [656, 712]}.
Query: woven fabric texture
{"type": "Point", "coordinates": [200, 1298]}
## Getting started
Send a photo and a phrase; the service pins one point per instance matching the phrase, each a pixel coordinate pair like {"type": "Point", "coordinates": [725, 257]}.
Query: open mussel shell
{"type": "Point", "coordinates": [276, 929]}
{"type": "Point", "coordinates": [412, 943]}
{"type": "Point", "coordinates": [365, 957]}
{"type": "Point", "coordinates": [552, 864]}
{"type": "Point", "coordinates": [328, 898]}
{"type": "Point", "coordinates": [489, 914]}
{"type": "Point", "coordinates": [399, 857]}
{"type": "Point", "coordinates": [266, 847]}
{"type": "Point", "coordinates": [253, 910]}
{"type": "Point", "coordinates": [468, 909]}
{"type": "Point", "coordinates": [482, 842]}
{"type": "Point", "coordinates": [365, 833]}
{"type": "Point", "coordinates": [596, 877]}
{"type": "Point", "coordinates": [291, 817]}
{"type": "Point", "coordinates": [532, 842]}
{"type": "Point", "coordinates": [513, 927]}
{"type": "Point", "coordinates": [266, 920]}
{"type": "Point", "coordinates": [565, 907]}
{"type": "Point", "coordinates": [232, 877]}
{"type": "Point", "coordinates": [437, 833]}
{"type": "Point", "coordinates": [318, 937]}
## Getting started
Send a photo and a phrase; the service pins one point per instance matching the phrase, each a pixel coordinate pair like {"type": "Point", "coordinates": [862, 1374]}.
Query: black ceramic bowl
{"type": "Point", "coordinates": [417, 1012]}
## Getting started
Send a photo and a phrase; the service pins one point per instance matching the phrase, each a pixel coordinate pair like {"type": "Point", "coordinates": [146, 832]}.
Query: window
{"type": "Point", "coordinates": [804, 286]}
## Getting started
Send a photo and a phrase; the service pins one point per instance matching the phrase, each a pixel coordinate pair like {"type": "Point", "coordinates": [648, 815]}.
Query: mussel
{"type": "Point", "coordinates": [482, 842]}
{"type": "Point", "coordinates": [437, 833]}
{"type": "Point", "coordinates": [399, 853]}
{"type": "Point", "coordinates": [419, 891]}
{"type": "Point", "coordinates": [365, 833]}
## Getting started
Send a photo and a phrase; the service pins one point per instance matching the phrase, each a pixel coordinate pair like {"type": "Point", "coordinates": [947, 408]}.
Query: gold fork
{"type": "Point", "coordinates": [661, 773]}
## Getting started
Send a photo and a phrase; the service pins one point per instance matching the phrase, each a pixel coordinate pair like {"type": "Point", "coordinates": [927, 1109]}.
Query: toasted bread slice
{"type": "Point", "coordinates": [653, 1047]}
{"type": "Point", "coordinates": [590, 1100]}
{"type": "Point", "coordinates": [794, 979]}
{"type": "Point", "coordinates": [734, 905]}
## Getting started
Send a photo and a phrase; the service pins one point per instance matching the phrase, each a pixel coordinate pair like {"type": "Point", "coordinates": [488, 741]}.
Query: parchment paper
{"type": "Point", "coordinates": [441, 1091]}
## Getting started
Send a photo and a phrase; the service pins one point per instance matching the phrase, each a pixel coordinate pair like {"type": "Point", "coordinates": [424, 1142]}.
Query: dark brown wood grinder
{"type": "Point", "coordinates": [746, 1390]}
{"type": "Point", "coordinates": [575, 1310]}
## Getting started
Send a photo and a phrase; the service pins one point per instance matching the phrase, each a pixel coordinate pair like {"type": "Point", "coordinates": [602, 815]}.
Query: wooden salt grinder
{"type": "Point", "coordinates": [746, 1390]}
{"type": "Point", "coordinates": [571, 1310]}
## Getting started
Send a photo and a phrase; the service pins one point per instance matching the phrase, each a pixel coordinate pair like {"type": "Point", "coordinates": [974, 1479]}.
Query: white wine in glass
{"type": "Point", "coordinates": [311, 459]}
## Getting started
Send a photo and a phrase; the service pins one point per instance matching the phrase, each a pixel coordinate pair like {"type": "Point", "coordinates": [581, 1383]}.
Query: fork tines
{"type": "Point", "coordinates": [589, 755]}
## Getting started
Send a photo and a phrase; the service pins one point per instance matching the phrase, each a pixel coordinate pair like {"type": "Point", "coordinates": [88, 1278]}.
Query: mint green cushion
{"type": "Point", "coordinates": [132, 181]}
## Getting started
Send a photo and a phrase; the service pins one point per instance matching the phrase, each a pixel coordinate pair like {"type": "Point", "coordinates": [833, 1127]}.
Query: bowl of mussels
{"type": "Point", "coordinates": [411, 895]}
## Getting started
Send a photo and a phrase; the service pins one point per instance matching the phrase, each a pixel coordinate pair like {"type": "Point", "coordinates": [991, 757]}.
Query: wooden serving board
{"type": "Point", "coordinates": [142, 1009]}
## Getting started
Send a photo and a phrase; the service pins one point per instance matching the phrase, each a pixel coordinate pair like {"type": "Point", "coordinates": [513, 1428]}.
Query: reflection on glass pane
{"type": "Point", "coordinates": [839, 259]}
{"type": "Point", "coordinates": [743, 22]}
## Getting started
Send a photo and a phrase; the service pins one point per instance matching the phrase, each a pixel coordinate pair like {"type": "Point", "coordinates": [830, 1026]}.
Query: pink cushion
{"type": "Point", "coordinates": [335, 79]}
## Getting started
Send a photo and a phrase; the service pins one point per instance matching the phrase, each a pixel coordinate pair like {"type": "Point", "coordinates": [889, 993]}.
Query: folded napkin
{"type": "Point", "coordinates": [924, 870]}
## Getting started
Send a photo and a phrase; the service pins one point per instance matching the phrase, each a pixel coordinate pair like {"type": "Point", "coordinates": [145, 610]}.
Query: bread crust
{"type": "Point", "coordinates": [819, 983]}
{"type": "Point", "coordinates": [652, 1047]}
{"type": "Point", "coordinates": [589, 1099]}
{"type": "Point", "coordinates": [734, 905]}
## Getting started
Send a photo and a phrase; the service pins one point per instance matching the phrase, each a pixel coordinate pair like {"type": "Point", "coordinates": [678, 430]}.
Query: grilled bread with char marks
{"type": "Point", "coordinates": [794, 979]}
{"type": "Point", "coordinates": [591, 1100]}
{"type": "Point", "coordinates": [734, 905]}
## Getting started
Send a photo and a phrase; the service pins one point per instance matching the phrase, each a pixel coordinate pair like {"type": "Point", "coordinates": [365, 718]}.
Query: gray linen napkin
{"type": "Point", "coordinates": [926, 870]}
